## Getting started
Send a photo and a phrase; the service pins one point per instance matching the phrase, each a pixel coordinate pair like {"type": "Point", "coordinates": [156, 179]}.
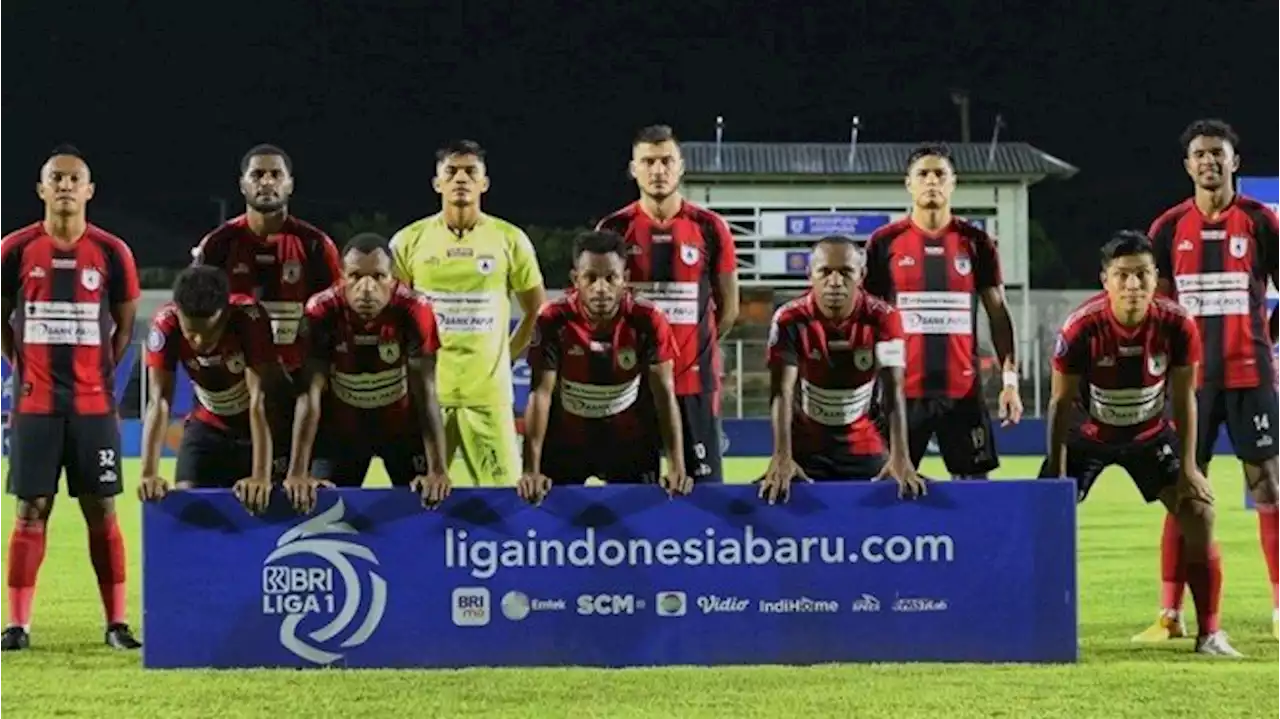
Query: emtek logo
{"type": "Point", "coordinates": [470, 606]}
{"type": "Point", "coordinates": [608, 604]}
{"type": "Point", "coordinates": [672, 604]}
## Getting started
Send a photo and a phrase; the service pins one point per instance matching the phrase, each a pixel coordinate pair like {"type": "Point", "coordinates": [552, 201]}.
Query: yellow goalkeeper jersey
{"type": "Point", "coordinates": [469, 280]}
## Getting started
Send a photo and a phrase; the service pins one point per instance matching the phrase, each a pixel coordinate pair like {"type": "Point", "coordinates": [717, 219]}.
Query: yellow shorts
{"type": "Point", "coordinates": [482, 446]}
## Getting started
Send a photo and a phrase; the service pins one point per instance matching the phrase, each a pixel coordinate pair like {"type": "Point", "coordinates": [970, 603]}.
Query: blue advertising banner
{"type": "Point", "coordinates": [615, 576]}
{"type": "Point", "coordinates": [1263, 189]}
{"type": "Point", "coordinates": [816, 225]}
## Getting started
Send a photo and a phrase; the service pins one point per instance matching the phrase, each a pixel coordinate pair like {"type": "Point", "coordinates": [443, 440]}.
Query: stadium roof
{"type": "Point", "coordinates": [831, 160]}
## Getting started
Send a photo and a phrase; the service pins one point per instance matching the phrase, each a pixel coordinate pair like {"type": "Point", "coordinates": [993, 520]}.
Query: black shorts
{"type": "Point", "coordinates": [211, 457]}
{"type": "Point", "coordinates": [852, 467]}
{"type": "Point", "coordinates": [41, 446]}
{"type": "Point", "coordinates": [565, 466]}
{"type": "Point", "coordinates": [1250, 416]}
{"type": "Point", "coordinates": [963, 428]}
{"type": "Point", "coordinates": [345, 463]}
{"type": "Point", "coordinates": [702, 438]}
{"type": "Point", "coordinates": [1153, 465]}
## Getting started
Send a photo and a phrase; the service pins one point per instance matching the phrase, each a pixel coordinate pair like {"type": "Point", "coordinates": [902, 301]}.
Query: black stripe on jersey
{"type": "Point", "coordinates": [937, 347]}
{"type": "Point", "coordinates": [1212, 327]}
{"type": "Point", "coordinates": [62, 357]}
{"type": "Point", "coordinates": [706, 335]}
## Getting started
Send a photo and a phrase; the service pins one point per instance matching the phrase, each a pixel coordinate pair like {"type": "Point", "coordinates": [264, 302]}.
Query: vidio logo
{"type": "Point", "coordinates": [311, 573]}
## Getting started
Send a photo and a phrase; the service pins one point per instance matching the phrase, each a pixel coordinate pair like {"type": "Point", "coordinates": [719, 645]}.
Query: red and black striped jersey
{"type": "Point", "coordinates": [676, 265]}
{"type": "Point", "coordinates": [935, 280]}
{"type": "Point", "coordinates": [217, 376]}
{"type": "Point", "coordinates": [602, 396]}
{"type": "Point", "coordinates": [1218, 270]}
{"type": "Point", "coordinates": [281, 271]}
{"type": "Point", "coordinates": [63, 294]}
{"type": "Point", "coordinates": [1122, 370]}
{"type": "Point", "coordinates": [838, 362]}
{"type": "Point", "coordinates": [367, 361]}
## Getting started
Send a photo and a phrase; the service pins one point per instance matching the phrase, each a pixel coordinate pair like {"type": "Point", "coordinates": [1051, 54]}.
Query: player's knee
{"type": "Point", "coordinates": [97, 509]}
{"type": "Point", "coordinates": [1262, 478]}
{"type": "Point", "coordinates": [1195, 518]}
{"type": "Point", "coordinates": [32, 509]}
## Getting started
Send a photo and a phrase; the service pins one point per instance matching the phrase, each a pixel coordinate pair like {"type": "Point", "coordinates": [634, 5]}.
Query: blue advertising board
{"type": "Point", "coordinates": [1263, 189]}
{"type": "Point", "coordinates": [615, 576]}
{"type": "Point", "coordinates": [834, 223]}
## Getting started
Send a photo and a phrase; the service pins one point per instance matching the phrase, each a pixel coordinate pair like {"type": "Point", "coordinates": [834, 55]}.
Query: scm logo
{"type": "Point", "coordinates": [608, 604]}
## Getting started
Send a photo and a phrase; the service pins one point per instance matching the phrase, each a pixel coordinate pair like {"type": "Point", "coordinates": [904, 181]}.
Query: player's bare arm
{"type": "Point", "coordinates": [154, 426]}
{"type": "Point", "coordinates": [725, 290]}
{"type": "Point", "coordinates": [1193, 484]}
{"type": "Point", "coordinates": [662, 381]}
{"type": "Point", "coordinates": [533, 485]}
{"type": "Point", "coordinates": [299, 485]}
{"type": "Point", "coordinates": [259, 427]}
{"type": "Point", "coordinates": [434, 487]}
{"type": "Point", "coordinates": [1063, 390]}
{"type": "Point", "coordinates": [530, 301]}
{"type": "Point", "coordinates": [782, 465]}
{"type": "Point", "coordinates": [124, 314]}
{"type": "Point", "coordinates": [1002, 336]}
{"type": "Point", "coordinates": [899, 465]}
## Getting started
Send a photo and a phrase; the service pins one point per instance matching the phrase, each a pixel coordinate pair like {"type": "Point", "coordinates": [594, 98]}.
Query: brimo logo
{"type": "Point", "coordinates": [309, 584]}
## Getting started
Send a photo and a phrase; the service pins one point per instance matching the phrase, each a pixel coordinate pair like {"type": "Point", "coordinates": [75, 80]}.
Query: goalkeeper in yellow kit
{"type": "Point", "coordinates": [470, 264]}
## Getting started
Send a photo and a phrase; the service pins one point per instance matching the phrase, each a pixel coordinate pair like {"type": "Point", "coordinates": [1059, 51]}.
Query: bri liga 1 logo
{"type": "Point", "coordinates": [319, 593]}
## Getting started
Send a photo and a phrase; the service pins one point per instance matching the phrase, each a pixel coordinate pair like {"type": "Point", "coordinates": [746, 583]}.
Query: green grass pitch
{"type": "Point", "coordinates": [70, 673]}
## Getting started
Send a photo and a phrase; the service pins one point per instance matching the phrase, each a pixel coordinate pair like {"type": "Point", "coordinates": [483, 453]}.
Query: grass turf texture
{"type": "Point", "coordinates": [69, 672]}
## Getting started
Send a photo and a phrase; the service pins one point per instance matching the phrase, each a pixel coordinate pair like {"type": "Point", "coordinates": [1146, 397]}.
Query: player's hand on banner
{"type": "Point", "coordinates": [910, 483]}
{"type": "Point", "coordinates": [152, 489]}
{"type": "Point", "coordinates": [676, 483]}
{"type": "Point", "coordinates": [1194, 485]}
{"type": "Point", "coordinates": [533, 487]}
{"type": "Point", "coordinates": [433, 487]}
{"type": "Point", "coordinates": [1010, 406]}
{"type": "Point", "coordinates": [776, 485]}
{"type": "Point", "coordinates": [301, 492]}
{"type": "Point", "coordinates": [254, 493]}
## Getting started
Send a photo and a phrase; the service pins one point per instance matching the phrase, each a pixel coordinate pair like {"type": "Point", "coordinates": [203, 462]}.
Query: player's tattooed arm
{"type": "Point", "coordinates": [259, 425]}
{"type": "Point", "coordinates": [427, 400]}
{"type": "Point", "coordinates": [156, 421]}
{"type": "Point", "coordinates": [124, 314]}
{"type": "Point", "coordinates": [306, 419]}
{"type": "Point", "coordinates": [1063, 390]}
{"type": "Point", "coordinates": [662, 380]}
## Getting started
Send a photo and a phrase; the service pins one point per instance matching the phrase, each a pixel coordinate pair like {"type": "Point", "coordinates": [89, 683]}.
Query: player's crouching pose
{"type": "Point", "coordinates": [1113, 356]}
{"type": "Point", "coordinates": [372, 343]}
{"type": "Point", "coordinates": [833, 342]}
{"type": "Point", "coordinates": [603, 402]}
{"type": "Point", "coordinates": [225, 342]}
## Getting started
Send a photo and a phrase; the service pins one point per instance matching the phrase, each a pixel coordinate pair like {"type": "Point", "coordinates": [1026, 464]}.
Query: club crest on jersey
{"type": "Point", "coordinates": [863, 359]}
{"type": "Point", "coordinates": [389, 352]}
{"type": "Point", "coordinates": [155, 340]}
{"type": "Point", "coordinates": [689, 255]}
{"type": "Point", "coordinates": [291, 272]}
{"type": "Point", "coordinates": [90, 278]}
{"type": "Point", "coordinates": [485, 264]}
{"type": "Point", "coordinates": [1238, 246]}
{"type": "Point", "coordinates": [626, 358]}
{"type": "Point", "coordinates": [1157, 364]}
{"type": "Point", "coordinates": [963, 265]}
{"type": "Point", "coordinates": [235, 363]}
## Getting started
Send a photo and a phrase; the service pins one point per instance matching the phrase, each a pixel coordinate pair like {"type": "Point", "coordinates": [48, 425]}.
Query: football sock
{"type": "Point", "coordinates": [1268, 532]}
{"type": "Point", "coordinates": [26, 552]}
{"type": "Point", "coordinates": [1173, 575]}
{"type": "Point", "coordinates": [106, 551]}
{"type": "Point", "coordinates": [1204, 577]}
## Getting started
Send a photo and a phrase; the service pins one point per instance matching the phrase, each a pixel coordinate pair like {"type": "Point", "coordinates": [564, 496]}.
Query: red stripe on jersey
{"type": "Point", "coordinates": [281, 271]}
{"type": "Point", "coordinates": [368, 360]}
{"type": "Point", "coordinates": [934, 280]}
{"type": "Point", "coordinates": [222, 396]}
{"type": "Point", "coordinates": [676, 265]}
{"type": "Point", "coordinates": [837, 365]}
{"type": "Point", "coordinates": [1218, 271]}
{"type": "Point", "coordinates": [603, 401]}
{"type": "Point", "coordinates": [1123, 370]}
{"type": "Point", "coordinates": [63, 294]}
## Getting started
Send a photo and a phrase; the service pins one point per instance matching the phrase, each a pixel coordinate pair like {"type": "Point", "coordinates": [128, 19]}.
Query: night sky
{"type": "Point", "coordinates": [164, 97]}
